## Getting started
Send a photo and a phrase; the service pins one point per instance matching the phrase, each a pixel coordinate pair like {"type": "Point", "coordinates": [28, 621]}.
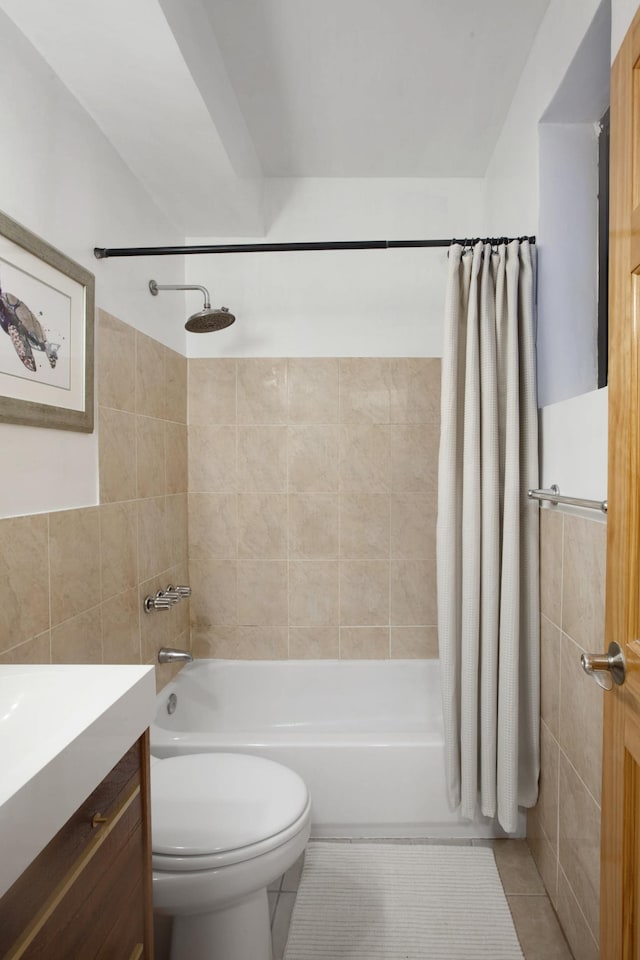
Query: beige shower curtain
{"type": "Point", "coordinates": [487, 540]}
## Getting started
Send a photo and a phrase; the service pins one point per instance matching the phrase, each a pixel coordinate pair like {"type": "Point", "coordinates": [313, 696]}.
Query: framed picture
{"type": "Point", "coordinates": [46, 334]}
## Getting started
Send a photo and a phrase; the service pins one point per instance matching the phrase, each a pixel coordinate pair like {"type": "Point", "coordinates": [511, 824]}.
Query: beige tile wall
{"type": "Point", "coordinates": [312, 507]}
{"type": "Point", "coordinates": [312, 513]}
{"type": "Point", "coordinates": [75, 580]}
{"type": "Point", "coordinates": [564, 828]}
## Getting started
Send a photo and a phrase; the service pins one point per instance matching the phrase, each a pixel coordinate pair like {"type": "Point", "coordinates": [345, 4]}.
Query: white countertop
{"type": "Point", "coordinates": [62, 729]}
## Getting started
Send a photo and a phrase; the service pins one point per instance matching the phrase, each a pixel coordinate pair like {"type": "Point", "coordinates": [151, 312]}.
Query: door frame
{"type": "Point", "coordinates": [620, 824]}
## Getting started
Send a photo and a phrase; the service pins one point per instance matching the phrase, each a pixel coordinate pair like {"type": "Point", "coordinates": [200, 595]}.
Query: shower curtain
{"type": "Point", "coordinates": [487, 536]}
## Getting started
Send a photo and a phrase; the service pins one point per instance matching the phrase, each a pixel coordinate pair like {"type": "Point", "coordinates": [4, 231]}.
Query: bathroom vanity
{"type": "Point", "coordinates": [75, 869]}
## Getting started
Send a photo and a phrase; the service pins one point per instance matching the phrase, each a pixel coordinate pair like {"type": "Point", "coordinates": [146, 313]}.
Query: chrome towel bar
{"type": "Point", "coordinates": [554, 497]}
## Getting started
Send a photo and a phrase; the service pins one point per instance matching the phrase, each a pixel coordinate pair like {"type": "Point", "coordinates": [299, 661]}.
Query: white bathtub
{"type": "Point", "coordinates": [366, 736]}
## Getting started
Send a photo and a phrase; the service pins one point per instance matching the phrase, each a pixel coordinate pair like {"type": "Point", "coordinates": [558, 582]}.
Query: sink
{"type": "Point", "coordinates": [40, 710]}
{"type": "Point", "coordinates": [62, 729]}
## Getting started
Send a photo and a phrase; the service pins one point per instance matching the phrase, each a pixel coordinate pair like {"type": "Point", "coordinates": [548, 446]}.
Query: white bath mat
{"type": "Point", "coordinates": [375, 901]}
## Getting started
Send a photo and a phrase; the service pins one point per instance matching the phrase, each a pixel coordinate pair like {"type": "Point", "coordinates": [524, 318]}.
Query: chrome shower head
{"type": "Point", "coordinates": [206, 320]}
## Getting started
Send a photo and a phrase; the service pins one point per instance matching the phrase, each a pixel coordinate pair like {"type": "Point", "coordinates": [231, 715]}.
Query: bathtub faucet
{"type": "Point", "coordinates": [173, 655]}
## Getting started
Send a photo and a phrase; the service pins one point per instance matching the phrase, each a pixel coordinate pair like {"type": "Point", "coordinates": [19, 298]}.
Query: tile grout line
{"type": "Point", "coordinates": [389, 577]}
{"type": "Point", "coordinates": [188, 447]}
{"type": "Point", "coordinates": [557, 850]}
{"type": "Point", "coordinates": [543, 894]}
{"type": "Point", "coordinates": [100, 580]}
{"type": "Point", "coordinates": [389, 494]}
{"type": "Point", "coordinates": [275, 907]}
{"type": "Point", "coordinates": [287, 488]}
{"type": "Point", "coordinates": [236, 485]}
{"type": "Point", "coordinates": [579, 906]}
{"type": "Point", "coordinates": [340, 493]}
{"type": "Point", "coordinates": [49, 581]}
{"type": "Point", "coordinates": [591, 796]}
{"type": "Point", "coordinates": [30, 639]}
{"type": "Point", "coordinates": [137, 499]}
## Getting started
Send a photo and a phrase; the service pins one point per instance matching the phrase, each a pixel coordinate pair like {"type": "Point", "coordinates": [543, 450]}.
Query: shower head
{"type": "Point", "coordinates": [206, 320]}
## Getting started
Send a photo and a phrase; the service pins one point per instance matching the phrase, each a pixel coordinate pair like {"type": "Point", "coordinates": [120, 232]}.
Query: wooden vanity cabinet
{"type": "Point", "coordinates": [88, 894]}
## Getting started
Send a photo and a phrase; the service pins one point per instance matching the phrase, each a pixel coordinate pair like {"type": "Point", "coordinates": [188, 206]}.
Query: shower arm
{"type": "Point", "coordinates": [155, 287]}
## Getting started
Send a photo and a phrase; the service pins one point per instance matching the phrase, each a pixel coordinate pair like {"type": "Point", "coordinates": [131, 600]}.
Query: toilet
{"type": "Point", "coordinates": [224, 827]}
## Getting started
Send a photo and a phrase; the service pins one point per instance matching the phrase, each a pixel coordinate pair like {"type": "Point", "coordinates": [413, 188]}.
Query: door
{"type": "Point", "coordinates": [620, 843]}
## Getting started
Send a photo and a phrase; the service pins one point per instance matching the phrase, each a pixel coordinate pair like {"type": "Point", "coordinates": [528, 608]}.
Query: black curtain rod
{"type": "Point", "coordinates": [103, 253]}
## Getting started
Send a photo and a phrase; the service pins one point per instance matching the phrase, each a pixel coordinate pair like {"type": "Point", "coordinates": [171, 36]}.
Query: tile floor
{"type": "Point", "coordinates": [535, 921]}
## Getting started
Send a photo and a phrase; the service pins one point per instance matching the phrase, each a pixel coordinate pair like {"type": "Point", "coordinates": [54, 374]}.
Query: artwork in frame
{"type": "Point", "coordinates": [46, 334]}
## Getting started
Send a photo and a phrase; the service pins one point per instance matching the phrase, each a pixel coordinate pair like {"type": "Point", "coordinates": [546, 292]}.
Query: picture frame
{"type": "Point", "coordinates": [47, 311]}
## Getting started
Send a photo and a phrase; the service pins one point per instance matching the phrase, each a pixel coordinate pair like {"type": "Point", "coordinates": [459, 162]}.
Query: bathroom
{"type": "Point", "coordinates": [286, 467]}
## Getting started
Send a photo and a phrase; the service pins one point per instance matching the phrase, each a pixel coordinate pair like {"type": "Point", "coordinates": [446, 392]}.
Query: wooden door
{"type": "Point", "coordinates": [620, 843]}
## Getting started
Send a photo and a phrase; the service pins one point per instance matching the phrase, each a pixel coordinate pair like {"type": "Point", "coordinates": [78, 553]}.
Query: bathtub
{"type": "Point", "coordinates": [365, 735]}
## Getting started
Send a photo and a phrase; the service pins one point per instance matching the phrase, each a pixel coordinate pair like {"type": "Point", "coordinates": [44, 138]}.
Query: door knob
{"type": "Point", "coordinates": [605, 668]}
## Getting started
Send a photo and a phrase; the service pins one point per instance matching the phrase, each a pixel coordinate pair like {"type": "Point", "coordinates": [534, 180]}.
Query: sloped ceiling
{"type": "Point", "coordinates": [204, 98]}
{"type": "Point", "coordinates": [409, 88]}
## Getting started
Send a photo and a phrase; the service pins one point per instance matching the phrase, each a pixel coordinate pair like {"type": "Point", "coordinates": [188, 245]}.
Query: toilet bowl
{"type": "Point", "coordinates": [224, 827]}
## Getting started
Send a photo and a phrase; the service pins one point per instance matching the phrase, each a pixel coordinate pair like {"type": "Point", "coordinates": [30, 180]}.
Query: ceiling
{"type": "Point", "coordinates": [204, 98]}
{"type": "Point", "coordinates": [372, 88]}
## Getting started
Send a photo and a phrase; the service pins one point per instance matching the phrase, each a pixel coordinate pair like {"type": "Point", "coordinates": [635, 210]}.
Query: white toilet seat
{"type": "Point", "coordinates": [227, 858]}
{"type": "Point", "coordinates": [212, 810]}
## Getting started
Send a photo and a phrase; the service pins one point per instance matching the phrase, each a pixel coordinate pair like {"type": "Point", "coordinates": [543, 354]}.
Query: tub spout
{"type": "Point", "coordinates": [173, 655]}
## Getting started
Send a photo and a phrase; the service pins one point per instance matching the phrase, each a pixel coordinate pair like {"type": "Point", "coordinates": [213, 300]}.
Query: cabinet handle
{"type": "Point", "coordinates": [97, 819]}
{"type": "Point", "coordinates": [137, 951]}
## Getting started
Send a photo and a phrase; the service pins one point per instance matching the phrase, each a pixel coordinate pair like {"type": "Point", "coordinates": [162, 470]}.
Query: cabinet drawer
{"type": "Point", "coordinates": [86, 881]}
{"type": "Point", "coordinates": [98, 910]}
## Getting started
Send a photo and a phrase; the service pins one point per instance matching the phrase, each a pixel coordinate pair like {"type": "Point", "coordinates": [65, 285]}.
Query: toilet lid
{"type": "Point", "coordinates": [215, 802]}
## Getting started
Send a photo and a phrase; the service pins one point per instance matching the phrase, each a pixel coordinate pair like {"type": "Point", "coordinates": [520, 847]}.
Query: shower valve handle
{"type": "Point", "coordinates": [159, 602]}
{"type": "Point", "coordinates": [177, 593]}
{"type": "Point", "coordinates": [172, 595]}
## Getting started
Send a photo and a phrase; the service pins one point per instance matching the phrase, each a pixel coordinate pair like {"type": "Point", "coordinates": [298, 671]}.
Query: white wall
{"type": "Point", "coordinates": [341, 303]}
{"type": "Point", "coordinates": [512, 174]}
{"type": "Point", "coordinates": [61, 179]}
{"type": "Point", "coordinates": [574, 449]}
{"type": "Point", "coordinates": [567, 258]}
{"type": "Point", "coordinates": [574, 433]}
{"type": "Point", "coordinates": [568, 138]}
{"type": "Point", "coordinates": [513, 206]}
